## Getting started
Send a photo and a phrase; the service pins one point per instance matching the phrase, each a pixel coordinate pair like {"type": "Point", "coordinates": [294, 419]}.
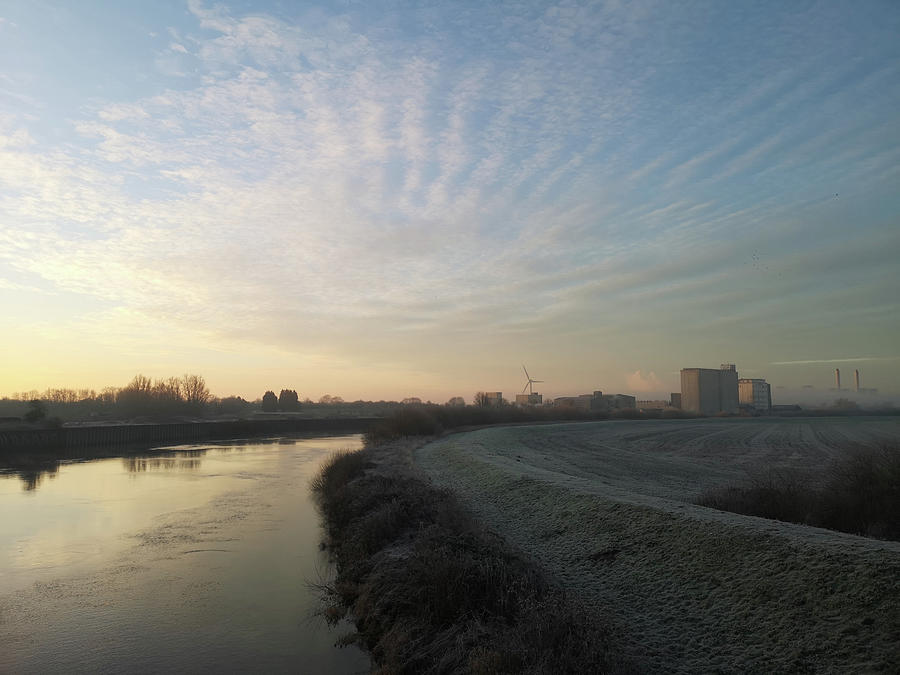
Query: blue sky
{"type": "Point", "coordinates": [382, 200]}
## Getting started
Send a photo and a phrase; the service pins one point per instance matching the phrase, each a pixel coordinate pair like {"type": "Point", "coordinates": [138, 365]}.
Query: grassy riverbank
{"type": "Point", "coordinates": [430, 590]}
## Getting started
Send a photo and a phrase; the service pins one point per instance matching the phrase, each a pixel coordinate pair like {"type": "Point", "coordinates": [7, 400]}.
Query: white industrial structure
{"type": "Point", "coordinates": [755, 392]}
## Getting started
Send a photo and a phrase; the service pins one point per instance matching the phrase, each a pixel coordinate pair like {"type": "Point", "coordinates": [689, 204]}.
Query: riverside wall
{"type": "Point", "coordinates": [68, 439]}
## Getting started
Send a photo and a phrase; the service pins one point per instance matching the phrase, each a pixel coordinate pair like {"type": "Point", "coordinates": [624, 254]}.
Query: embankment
{"type": "Point", "coordinates": [687, 589]}
{"type": "Point", "coordinates": [431, 591]}
{"type": "Point", "coordinates": [68, 440]}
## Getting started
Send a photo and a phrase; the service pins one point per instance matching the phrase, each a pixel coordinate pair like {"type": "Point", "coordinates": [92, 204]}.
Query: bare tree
{"type": "Point", "coordinates": [194, 390]}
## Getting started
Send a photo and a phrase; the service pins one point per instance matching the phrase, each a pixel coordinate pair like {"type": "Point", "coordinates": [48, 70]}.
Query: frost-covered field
{"type": "Point", "coordinates": [605, 507]}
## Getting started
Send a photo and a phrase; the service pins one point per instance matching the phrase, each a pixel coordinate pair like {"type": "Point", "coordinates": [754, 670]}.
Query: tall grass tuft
{"type": "Point", "coordinates": [431, 591]}
{"type": "Point", "coordinates": [860, 494]}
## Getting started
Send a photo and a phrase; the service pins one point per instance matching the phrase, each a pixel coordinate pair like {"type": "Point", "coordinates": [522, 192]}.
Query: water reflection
{"type": "Point", "coordinates": [144, 464]}
{"type": "Point", "coordinates": [33, 468]}
{"type": "Point", "coordinates": [32, 478]}
{"type": "Point", "coordinates": [177, 460]}
{"type": "Point", "coordinates": [195, 453]}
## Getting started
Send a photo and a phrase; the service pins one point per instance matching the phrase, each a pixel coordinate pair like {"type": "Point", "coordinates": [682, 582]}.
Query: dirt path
{"type": "Point", "coordinates": [605, 508]}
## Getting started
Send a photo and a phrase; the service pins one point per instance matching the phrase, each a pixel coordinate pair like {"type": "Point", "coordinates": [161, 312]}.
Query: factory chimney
{"type": "Point", "coordinates": [837, 378]}
{"type": "Point", "coordinates": [856, 379]}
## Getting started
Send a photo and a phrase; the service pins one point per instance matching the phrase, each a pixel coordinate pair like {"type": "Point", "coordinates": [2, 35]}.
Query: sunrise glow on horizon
{"type": "Point", "coordinates": [383, 200]}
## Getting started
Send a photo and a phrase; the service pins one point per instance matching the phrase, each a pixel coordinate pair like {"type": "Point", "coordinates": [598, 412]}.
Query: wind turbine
{"type": "Point", "coordinates": [530, 381]}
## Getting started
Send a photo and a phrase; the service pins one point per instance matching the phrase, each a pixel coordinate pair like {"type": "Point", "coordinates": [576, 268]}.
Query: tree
{"type": "Point", "coordinates": [36, 411]}
{"type": "Point", "coordinates": [481, 399]}
{"type": "Point", "coordinates": [231, 405]}
{"type": "Point", "coordinates": [412, 400]}
{"type": "Point", "coordinates": [269, 402]}
{"type": "Point", "coordinates": [288, 400]}
{"type": "Point", "coordinates": [167, 398]}
{"type": "Point", "coordinates": [456, 401]}
{"type": "Point", "coordinates": [194, 390]}
{"type": "Point", "coordinates": [136, 398]}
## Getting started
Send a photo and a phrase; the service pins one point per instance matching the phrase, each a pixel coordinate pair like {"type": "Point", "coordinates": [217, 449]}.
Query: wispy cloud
{"type": "Point", "coordinates": [853, 359]}
{"type": "Point", "coordinates": [328, 184]}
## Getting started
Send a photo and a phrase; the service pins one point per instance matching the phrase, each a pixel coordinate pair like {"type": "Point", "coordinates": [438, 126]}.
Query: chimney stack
{"type": "Point", "coordinates": [856, 379]}
{"type": "Point", "coordinates": [837, 378]}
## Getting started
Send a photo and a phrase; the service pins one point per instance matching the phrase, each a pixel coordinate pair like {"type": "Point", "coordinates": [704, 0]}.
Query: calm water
{"type": "Point", "coordinates": [196, 560]}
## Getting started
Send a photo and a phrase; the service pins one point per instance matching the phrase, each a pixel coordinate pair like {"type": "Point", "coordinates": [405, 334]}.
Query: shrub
{"type": "Point", "coordinates": [37, 411]}
{"type": "Point", "coordinates": [406, 421]}
{"type": "Point", "coordinates": [432, 592]}
{"type": "Point", "coordinates": [860, 494]}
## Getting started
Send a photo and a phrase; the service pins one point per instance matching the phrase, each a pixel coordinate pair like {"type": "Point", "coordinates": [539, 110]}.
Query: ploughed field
{"type": "Point", "coordinates": [607, 508]}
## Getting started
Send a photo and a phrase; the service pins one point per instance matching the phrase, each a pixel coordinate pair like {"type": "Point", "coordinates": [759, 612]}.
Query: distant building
{"type": "Point", "coordinates": [617, 401]}
{"type": "Point", "coordinates": [493, 398]}
{"type": "Point", "coordinates": [658, 404]}
{"type": "Point", "coordinates": [755, 392]}
{"type": "Point", "coordinates": [674, 402]}
{"type": "Point", "coordinates": [529, 399]}
{"type": "Point", "coordinates": [597, 402]}
{"type": "Point", "coordinates": [708, 391]}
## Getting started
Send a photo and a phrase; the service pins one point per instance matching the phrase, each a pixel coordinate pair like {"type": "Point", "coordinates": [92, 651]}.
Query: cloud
{"type": "Point", "coordinates": [854, 359]}
{"type": "Point", "coordinates": [326, 182]}
{"type": "Point", "coordinates": [640, 382]}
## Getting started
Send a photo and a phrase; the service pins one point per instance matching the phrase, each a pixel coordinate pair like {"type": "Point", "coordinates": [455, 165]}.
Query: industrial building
{"type": "Point", "coordinates": [493, 399]}
{"type": "Point", "coordinates": [614, 402]}
{"type": "Point", "coordinates": [657, 404]}
{"type": "Point", "coordinates": [597, 402]}
{"type": "Point", "coordinates": [708, 391]}
{"type": "Point", "coordinates": [755, 392]}
{"type": "Point", "coordinates": [529, 399]}
{"type": "Point", "coordinates": [674, 403]}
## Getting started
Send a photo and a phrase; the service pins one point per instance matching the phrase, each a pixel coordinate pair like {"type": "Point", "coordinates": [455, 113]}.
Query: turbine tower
{"type": "Point", "coordinates": [530, 381]}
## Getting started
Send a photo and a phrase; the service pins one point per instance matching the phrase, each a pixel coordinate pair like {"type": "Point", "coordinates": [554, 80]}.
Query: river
{"type": "Point", "coordinates": [197, 559]}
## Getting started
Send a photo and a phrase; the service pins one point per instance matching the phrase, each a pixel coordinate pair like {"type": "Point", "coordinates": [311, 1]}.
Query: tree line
{"type": "Point", "coordinates": [187, 395]}
{"type": "Point", "coordinates": [286, 401]}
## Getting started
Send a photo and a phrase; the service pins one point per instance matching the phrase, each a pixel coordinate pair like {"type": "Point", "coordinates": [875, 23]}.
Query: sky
{"type": "Point", "coordinates": [378, 200]}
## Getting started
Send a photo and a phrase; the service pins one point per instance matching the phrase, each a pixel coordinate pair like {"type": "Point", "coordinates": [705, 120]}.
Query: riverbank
{"type": "Point", "coordinates": [62, 441]}
{"type": "Point", "coordinates": [431, 590]}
